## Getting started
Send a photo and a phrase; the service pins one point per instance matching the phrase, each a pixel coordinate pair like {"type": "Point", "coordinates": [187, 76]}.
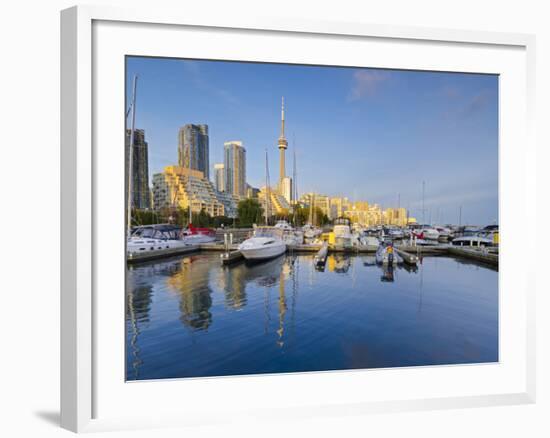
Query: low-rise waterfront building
{"type": "Point", "coordinates": [338, 206]}
{"type": "Point", "coordinates": [277, 203]}
{"type": "Point", "coordinates": [180, 187]}
{"type": "Point", "coordinates": [317, 201]}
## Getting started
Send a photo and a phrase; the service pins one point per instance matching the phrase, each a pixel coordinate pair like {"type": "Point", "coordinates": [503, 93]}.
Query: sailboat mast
{"type": "Point", "coordinates": [423, 210]}
{"type": "Point", "coordinates": [131, 156]}
{"type": "Point", "coordinates": [267, 190]}
{"type": "Point", "coordinates": [294, 195]}
{"type": "Point", "coordinates": [189, 185]}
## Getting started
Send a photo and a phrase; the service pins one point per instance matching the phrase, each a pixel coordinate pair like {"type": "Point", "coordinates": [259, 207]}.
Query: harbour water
{"type": "Point", "coordinates": [188, 316]}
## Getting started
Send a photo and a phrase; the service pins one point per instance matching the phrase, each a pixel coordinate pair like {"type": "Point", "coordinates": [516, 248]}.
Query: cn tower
{"type": "Point", "coordinates": [283, 144]}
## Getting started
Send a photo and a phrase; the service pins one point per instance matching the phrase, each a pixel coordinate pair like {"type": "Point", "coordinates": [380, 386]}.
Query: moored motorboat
{"type": "Point", "coordinates": [445, 233]}
{"type": "Point", "coordinates": [289, 235]}
{"type": "Point", "coordinates": [472, 240]}
{"type": "Point", "coordinates": [153, 238]}
{"type": "Point", "coordinates": [342, 232]}
{"type": "Point", "coordinates": [195, 236]}
{"type": "Point", "coordinates": [266, 243]}
{"type": "Point", "coordinates": [366, 240]}
{"type": "Point", "coordinates": [311, 232]}
{"type": "Point", "coordinates": [426, 233]}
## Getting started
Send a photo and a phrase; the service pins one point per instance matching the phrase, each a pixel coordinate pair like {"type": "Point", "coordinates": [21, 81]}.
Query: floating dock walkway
{"type": "Point", "coordinates": [321, 256]}
{"type": "Point", "coordinates": [478, 253]}
{"type": "Point", "coordinates": [230, 257]}
{"type": "Point", "coordinates": [410, 254]}
{"type": "Point", "coordinates": [409, 259]}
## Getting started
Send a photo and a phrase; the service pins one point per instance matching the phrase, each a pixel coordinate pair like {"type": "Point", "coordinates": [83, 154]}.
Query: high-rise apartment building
{"type": "Point", "coordinates": [285, 189]}
{"type": "Point", "coordinates": [193, 148]}
{"type": "Point", "coordinates": [235, 168]}
{"type": "Point", "coordinates": [141, 198]}
{"type": "Point", "coordinates": [219, 177]}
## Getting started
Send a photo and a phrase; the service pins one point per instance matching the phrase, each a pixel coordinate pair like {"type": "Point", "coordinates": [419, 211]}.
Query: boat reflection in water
{"type": "Point", "coordinates": [387, 276]}
{"type": "Point", "coordinates": [189, 317]}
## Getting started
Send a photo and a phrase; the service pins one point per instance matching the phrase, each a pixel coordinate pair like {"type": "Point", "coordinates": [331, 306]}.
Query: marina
{"type": "Point", "coordinates": [345, 260]}
{"type": "Point", "coordinates": [189, 316]}
{"type": "Point", "coordinates": [409, 253]}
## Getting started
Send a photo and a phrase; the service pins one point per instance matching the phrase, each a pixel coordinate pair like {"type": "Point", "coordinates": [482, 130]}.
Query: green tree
{"type": "Point", "coordinates": [144, 217]}
{"type": "Point", "coordinates": [249, 212]}
{"type": "Point", "coordinates": [300, 216]}
{"type": "Point", "coordinates": [205, 220]}
{"type": "Point", "coordinates": [218, 221]}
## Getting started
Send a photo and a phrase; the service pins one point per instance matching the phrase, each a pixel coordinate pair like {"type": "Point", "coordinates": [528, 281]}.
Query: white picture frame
{"type": "Point", "coordinates": [84, 316]}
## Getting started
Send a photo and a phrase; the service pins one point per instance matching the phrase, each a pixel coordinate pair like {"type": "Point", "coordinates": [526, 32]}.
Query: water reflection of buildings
{"type": "Point", "coordinates": [339, 263]}
{"type": "Point", "coordinates": [232, 282]}
{"type": "Point", "coordinates": [191, 283]}
{"type": "Point", "coordinates": [139, 299]}
{"type": "Point", "coordinates": [138, 306]}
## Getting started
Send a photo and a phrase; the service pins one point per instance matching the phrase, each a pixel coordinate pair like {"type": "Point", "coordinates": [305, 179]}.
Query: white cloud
{"type": "Point", "coordinates": [366, 83]}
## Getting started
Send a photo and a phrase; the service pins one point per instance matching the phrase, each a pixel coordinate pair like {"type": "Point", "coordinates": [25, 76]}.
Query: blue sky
{"type": "Point", "coordinates": [368, 134]}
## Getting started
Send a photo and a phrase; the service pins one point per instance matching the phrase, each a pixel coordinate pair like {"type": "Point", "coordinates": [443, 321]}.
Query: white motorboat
{"type": "Point", "coordinates": [427, 233]}
{"type": "Point", "coordinates": [445, 233]}
{"type": "Point", "coordinates": [477, 237]}
{"type": "Point", "coordinates": [140, 245]}
{"type": "Point", "coordinates": [290, 235]}
{"type": "Point", "coordinates": [283, 225]}
{"type": "Point", "coordinates": [472, 240]}
{"type": "Point", "coordinates": [396, 233]}
{"type": "Point", "coordinates": [311, 232]}
{"type": "Point", "coordinates": [195, 236]}
{"type": "Point", "coordinates": [154, 237]}
{"type": "Point", "coordinates": [266, 243]}
{"type": "Point", "coordinates": [342, 232]}
{"type": "Point", "coordinates": [366, 240]}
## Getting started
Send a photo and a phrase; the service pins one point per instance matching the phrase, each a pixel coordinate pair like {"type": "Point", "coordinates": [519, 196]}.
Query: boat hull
{"type": "Point", "coordinates": [263, 253]}
{"type": "Point", "coordinates": [197, 239]}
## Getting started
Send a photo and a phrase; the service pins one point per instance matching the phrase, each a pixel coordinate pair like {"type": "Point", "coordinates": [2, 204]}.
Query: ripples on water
{"type": "Point", "coordinates": [191, 317]}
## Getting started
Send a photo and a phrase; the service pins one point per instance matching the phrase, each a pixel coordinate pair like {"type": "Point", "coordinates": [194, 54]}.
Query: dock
{"type": "Point", "coordinates": [479, 254]}
{"type": "Point", "coordinates": [424, 249]}
{"type": "Point", "coordinates": [218, 246]}
{"type": "Point", "coordinates": [305, 247]}
{"type": "Point", "coordinates": [230, 257]}
{"type": "Point", "coordinates": [410, 254]}
{"type": "Point", "coordinates": [154, 254]}
{"type": "Point", "coordinates": [321, 256]}
{"type": "Point", "coordinates": [408, 258]}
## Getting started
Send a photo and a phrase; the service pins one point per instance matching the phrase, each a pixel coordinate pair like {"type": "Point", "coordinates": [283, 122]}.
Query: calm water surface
{"type": "Point", "coordinates": [188, 316]}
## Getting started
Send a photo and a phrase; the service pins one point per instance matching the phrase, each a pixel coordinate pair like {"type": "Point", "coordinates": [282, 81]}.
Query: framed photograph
{"type": "Point", "coordinates": [291, 218]}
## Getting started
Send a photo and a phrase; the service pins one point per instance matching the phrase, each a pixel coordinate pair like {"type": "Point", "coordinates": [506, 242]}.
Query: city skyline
{"type": "Point", "coordinates": [367, 134]}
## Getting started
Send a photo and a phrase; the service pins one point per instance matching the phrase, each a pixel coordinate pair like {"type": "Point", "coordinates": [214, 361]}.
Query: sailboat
{"type": "Point", "coordinates": [267, 242]}
{"type": "Point", "coordinates": [310, 230]}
